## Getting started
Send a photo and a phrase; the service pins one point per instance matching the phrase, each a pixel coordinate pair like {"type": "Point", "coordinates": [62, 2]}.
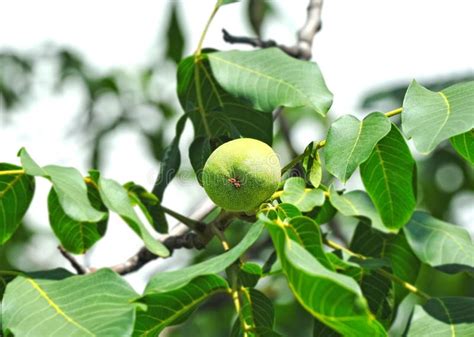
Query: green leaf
{"type": "Point", "coordinates": [334, 299]}
{"type": "Point", "coordinates": [258, 314]}
{"type": "Point", "coordinates": [199, 151]}
{"type": "Point", "coordinates": [287, 211]}
{"type": "Point", "coordinates": [249, 274]}
{"type": "Point", "coordinates": [307, 233]}
{"type": "Point", "coordinates": [464, 145]}
{"type": "Point", "coordinates": [350, 142]}
{"type": "Point", "coordinates": [226, 2]}
{"type": "Point", "coordinates": [296, 193]}
{"type": "Point", "coordinates": [356, 204]}
{"type": "Point", "coordinates": [269, 78]}
{"type": "Point", "coordinates": [69, 184]}
{"type": "Point", "coordinates": [214, 112]}
{"type": "Point", "coordinates": [312, 165]}
{"type": "Point", "coordinates": [430, 117]}
{"type": "Point", "coordinates": [168, 281]}
{"type": "Point", "coordinates": [389, 177]}
{"type": "Point", "coordinates": [76, 236]}
{"type": "Point", "coordinates": [174, 37]}
{"type": "Point", "coordinates": [439, 243]}
{"type": "Point", "coordinates": [445, 316]}
{"type": "Point", "coordinates": [323, 214]}
{"type": "Point", "coordinates": [116, 198]}
{"type": "Point", "coordinates": [97, 304]}
{"type": "Point", "coordinates": [16, 193]}
{"type": "Point", "coordinates": [321, 330]}
{"type": "Point", "coordinates": [170, 308]}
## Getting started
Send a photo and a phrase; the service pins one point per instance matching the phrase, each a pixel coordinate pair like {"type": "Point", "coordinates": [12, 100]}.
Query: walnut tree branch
{"type": "Point", "coordinates": [74, 263]}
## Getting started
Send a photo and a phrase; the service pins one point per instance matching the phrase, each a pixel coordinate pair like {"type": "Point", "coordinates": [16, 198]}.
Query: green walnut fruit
{"type": "Point", "coordinates": [241, 174]}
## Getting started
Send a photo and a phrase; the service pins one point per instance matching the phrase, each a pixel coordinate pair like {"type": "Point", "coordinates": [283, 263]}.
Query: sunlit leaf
{"type": "Point", "coordinates": [389, 177]}
{"type": "Point", "coordinates": [98, 304]}
{"type": "Point", "coordinates": [16, 193]}
{"type": "Point", "coordinates": [350, 142]}
{"type": "Point", "coordinates": [439, 243]}
{"type": "Point", "coordinates": [430, 117]}
{"type": "Point", "coordinates": [269, 78]}
{"type": "Point", "coordinates": [117, 200]}
{"type": "Point", "coordinates": [164, 309]}
{"type": "Point", "coordinates": [296, 193]}
{"type": "Point", "coordinates": [70, 187]}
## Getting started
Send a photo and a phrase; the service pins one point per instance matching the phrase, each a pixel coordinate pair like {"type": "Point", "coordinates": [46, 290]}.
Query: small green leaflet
{"type": "Point", "coordinates": [443, 316]}
{"type": "Point", "coordinates": [430, 117]}
{"type": "Point", "coordinates": [357, 204]}
{"type": "Point", "coordinates": [439, 243]}
{"type": "Point", "coordinates": [174, 36]}
{"type": "Point", "coordinates": [269, 78]}
{"type": "Point", "coordinates": [350, 142]}
{"type": "Point", "coordinates": [164, 309]}
{"type": "Point", "coordinates": [16, 193]}
{"type": "Point", "coordinates": [97, 304]}
{"type": "Point", "coordinates": [389, 176]}
{"type": "Point", "coordinates": [464, 145]}
{"type": "Point", "coordinates": [70, 187]}
{"type": "Point", "coordinates": [249, 274]}
{"type": "Point", "coordinates": [296, 193]}
{"type": "Point", "coordinates": [76, 236]}
{"type": "Point", "coordinates": [327, 295]}
{"type": "Point", "coordinates": [116, 198]}
{"type": "Point", "coordinates": [168, 281]}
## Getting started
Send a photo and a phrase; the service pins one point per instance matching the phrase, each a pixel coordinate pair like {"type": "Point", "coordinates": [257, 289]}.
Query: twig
{"type": "Point", "coordinates": [74, 263]}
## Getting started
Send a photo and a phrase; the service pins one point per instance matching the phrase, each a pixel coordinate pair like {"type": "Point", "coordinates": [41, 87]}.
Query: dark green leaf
{"type": "Point", "coordinates": [350, 142]}
{"type": "Point", "coordinates": [321, 330]}
{"type": "Point", "coordinates": [287, 211]}
{"type": "Point", "coordinates": [440, 244]}
{"type": "Point", "coordinates": [69, 184]}
{"type": "Point", "coordinates": [168, 281]}
{"type": "Point", "coordinates": [430, 117]}
{"type": "Point", "coordinates": [213, 111]}
{"type": "Point", "coordinates": [464, 145]}
{"type": "Point", "coordinates": [389, 177]}
{"type": "Point", "coordinates": [98, 304]}
{"type": "Point", "coordinates": [199, 151]}
{"type": "Point", "coordinates": [16, 193]}
{"type": "Point", "coordinates": [174, 36]}
{"type": "Point", "coordinates": [249, 274]}
{"type": "Point", "coordinates": [76, 236]}
{"type": "Point", "coordinates": [323, 214]}
{"type": "Point", "coordinates": [296, 193]}
{"type": "Point", "coordinates": [116, 198]}
{"type": "Point", "coordinates": [269, 78]}
{"type": "Point", "coordinates": [170, 308]}
{"type": "Point", "coordinates": [226, 2]}
{"type": "Point", "coordinates": [334, 299]}
{"type": "Point", "coordinates": [445, 316]}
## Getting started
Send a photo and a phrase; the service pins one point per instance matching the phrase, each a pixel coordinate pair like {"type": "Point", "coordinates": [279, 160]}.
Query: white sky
{"type": "Point", "coordinates": [363, 44]}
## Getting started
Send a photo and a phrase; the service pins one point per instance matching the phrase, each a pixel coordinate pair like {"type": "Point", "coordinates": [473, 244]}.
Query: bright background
{"type": "Point", "coordinates": [363, 45]}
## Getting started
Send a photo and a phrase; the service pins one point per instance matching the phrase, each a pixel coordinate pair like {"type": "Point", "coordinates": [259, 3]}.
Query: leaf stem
{"type": "Point", "coordinates": [206, 28]}
{"type": "Point", "coordinates": [410, 287]}
{"type": "Point", "coordinates": [11, 172]}
{"type": "Point", "coordinates": [195, 225]}
{"type": "Point", "coordinates": [394, 112]}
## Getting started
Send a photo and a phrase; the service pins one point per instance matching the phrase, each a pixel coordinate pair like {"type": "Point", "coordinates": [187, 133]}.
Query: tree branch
{"type": "Point", "coordinates": [74, 263]}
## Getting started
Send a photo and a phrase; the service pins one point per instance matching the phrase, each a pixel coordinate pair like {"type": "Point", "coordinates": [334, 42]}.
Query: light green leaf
{"type": "Point", "coordinates": [296, 193]}
{"type": "Point", "coordinates": [430, 117]}
{"type": "Point", "coordinates": [97, 304]}
{"type": "Point", "coordinates": [170, 308]}
{"type": "Point", "coordinates": [464, 145]}
{"type": "Point", "coordinates": [444, 316]}
{"type": "Point", "coordinates": [356, 204]}
{"type": "Point", "coordinates": [269, 78]}
{"type": "Point", "coordinates": [258, 315]}
{"type": "Point", "coordinates": [214, 112]}
{"type": "Point", "coordinates": [116, 198]}
{"type": "Point", "coordinates": [439, 243]}
{"type": "Point", "coordinates": [76, 236]}
{"type": "Point", "coordinates": [350, 142]}
{"type": "Point", "coordinates": [168, 281]}
{"type": "Point", "coordinates": [69, 184]}
{"type": "Point", "coordinates": [334, 299]}
{"type": "Point", "coordinates": [16, 193]}
{"type": "Point", "coordinates": [389, 177]}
